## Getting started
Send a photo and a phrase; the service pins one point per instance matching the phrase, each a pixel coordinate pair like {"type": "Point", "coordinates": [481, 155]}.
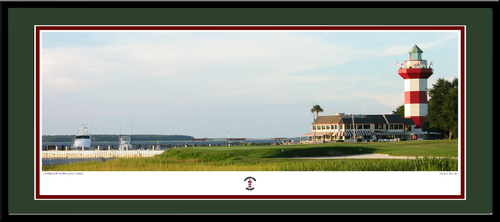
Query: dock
{"type": "Point", "coordinates": [77, 154]}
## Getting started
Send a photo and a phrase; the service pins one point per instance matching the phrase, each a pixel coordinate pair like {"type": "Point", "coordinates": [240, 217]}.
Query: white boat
{"type": "Point", "coordinates": [82, 139]}
{"type": "Point", "coordinates": [124, 143]}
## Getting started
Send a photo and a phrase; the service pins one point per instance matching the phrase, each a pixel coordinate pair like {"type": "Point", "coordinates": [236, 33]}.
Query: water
{"type": "Point", "coordinates": [181, 143]}
{"type": "Point", "coordinates": [66, 161]}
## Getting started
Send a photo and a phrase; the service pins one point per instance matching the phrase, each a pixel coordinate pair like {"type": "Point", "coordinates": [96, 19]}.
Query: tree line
{"type": "Point", "coordinates": [114, 137]}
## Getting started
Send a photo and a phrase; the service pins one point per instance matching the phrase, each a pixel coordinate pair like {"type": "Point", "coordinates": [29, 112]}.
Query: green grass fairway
{"type": "Point", "coordinates": [264, 158]}
{"type": "Point", "coordinates": [429, 148]}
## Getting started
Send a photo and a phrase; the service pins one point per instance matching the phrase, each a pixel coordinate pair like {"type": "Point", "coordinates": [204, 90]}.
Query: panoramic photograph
{"type": "Point", "coordinates": [249, 100]}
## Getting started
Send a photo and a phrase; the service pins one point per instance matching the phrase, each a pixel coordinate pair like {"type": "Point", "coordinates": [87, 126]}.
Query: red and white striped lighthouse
{"type": "Point", "coordinates": [415, 73]}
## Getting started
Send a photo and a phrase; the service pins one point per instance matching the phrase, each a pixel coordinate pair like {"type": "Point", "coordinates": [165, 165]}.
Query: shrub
{"type": "Point", "coordinates": [339, 141]}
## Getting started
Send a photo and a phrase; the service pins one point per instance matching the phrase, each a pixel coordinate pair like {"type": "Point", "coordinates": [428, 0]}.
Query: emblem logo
{"type": "Point", "coordinates": [250, 179]}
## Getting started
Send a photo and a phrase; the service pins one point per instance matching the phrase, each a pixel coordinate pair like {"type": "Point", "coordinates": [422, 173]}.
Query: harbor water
{"type": "Point", "coordinates": [157, 145]}
{"type": "Point", "coordinates": [75, 160]}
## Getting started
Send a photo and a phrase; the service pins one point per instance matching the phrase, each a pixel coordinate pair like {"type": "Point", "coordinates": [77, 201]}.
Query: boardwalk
{"type": "Point", "coordinates": [75, 154]}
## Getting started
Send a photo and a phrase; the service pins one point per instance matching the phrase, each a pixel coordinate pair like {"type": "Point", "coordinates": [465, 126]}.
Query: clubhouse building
{"type": "Point", "coordinates": [350, 128]}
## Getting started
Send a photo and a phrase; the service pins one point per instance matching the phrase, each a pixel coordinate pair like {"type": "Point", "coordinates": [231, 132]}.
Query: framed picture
{"type": "Point", "coordinates": [216, 72]}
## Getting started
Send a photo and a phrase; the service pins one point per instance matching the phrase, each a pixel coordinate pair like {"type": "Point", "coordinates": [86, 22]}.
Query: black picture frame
{"type": "Point", "coordinates": [18, 164]}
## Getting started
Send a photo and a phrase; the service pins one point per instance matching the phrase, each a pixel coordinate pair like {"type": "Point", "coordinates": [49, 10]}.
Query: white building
{"type": "Point", "coordinates": [366, 127]}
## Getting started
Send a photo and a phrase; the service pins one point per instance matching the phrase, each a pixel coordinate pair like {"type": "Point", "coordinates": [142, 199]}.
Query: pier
{"type": "Point", "coordinates": [77, 154]}
{"type": "Point", "coordinates": [114, 146]}
{"type": "Point", "coordinates": [106, 147]}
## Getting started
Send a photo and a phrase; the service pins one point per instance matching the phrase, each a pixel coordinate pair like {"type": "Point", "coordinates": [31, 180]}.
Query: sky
{"type": "Point", "coordinates": [252, 84]}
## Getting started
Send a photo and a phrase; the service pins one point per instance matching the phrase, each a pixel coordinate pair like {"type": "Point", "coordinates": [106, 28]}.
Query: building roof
{"type": "Point", "coordinates": [408, 121]}
{"type": "Point", "coordinates": [415, 48]}
{"type": "Point", "coordinates": [394, 118]}
{"type": "Point", "coordinates": [347, 119]}
{"type": "Point", "coordinates": [336, 119]}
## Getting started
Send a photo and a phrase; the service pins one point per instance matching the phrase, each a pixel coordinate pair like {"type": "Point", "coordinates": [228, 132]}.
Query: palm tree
{"type": "Point", "coordinates": [316, 109]}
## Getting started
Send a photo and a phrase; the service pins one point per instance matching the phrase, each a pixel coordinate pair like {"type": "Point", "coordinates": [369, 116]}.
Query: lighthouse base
{"type": "Point", "coordinates": [418, 120]}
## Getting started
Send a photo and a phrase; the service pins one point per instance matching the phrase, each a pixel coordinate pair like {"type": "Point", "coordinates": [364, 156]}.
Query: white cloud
{"type": "Point", "coordinates": [440, 41]}
{"type": "Point", "coordinates": [209, 60]}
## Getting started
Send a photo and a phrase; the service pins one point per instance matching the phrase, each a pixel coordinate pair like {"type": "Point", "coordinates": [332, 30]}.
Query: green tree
{"type": "Point", "coordinates": [443, 106]}
{"type": "Point", "coordinates": [400, 111]}
{"type": "Point", "coordinates": [316, 109]}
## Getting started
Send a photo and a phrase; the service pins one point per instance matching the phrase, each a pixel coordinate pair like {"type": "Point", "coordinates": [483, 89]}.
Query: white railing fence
{"type": "Point", "coordinates": [52, 154]}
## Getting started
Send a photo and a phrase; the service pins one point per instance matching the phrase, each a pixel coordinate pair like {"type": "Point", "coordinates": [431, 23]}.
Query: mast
{"type": "Point", "coordinates": [353, 125]}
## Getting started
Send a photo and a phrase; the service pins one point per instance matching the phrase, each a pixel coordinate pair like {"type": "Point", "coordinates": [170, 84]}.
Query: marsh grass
{"type": "Point", "coordinates": [190, 164]}
{"type": "Point", "coordinates": [421, 164]}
